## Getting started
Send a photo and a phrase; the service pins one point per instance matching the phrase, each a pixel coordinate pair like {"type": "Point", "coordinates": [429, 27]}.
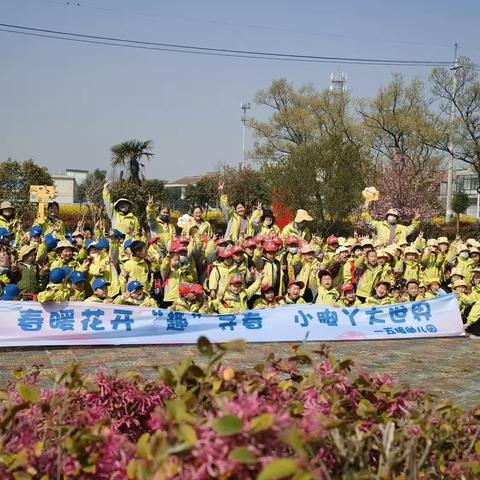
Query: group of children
{"type": "Point", "coordinates": [255, 264]}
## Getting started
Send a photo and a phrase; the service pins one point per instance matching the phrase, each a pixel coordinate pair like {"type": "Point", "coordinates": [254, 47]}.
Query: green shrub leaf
{"type": "Point", "coordinates": [261, 423]}
{"type": "Point", "coordinates": [280, 468]}
{"type": "Point", "coordinates": [242, 455]}
{"type": "Point", "coordinates": [228, 425]}
{"type": "Point", "coordinates": [365, 408]}
{"type": "Point", "coordinates": [28, 393]}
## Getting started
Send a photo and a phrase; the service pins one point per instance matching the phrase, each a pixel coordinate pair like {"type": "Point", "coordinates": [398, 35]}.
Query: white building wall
{"type": "Point", "coordinates": [65, 186]}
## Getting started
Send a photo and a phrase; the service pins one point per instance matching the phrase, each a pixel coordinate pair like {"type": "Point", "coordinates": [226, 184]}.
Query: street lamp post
{"type": "Point", "coordinates": [243, 117]}
{"type": "Point", "coordinates": [448, 213]}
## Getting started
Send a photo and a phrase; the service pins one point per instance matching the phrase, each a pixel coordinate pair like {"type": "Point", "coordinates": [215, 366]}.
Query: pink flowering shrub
{"type": "Point", "coordinates": [304, 417]}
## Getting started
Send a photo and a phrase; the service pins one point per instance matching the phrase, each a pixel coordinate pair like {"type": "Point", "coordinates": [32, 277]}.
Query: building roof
{"type": "Point", "coordinates": [192, 180]}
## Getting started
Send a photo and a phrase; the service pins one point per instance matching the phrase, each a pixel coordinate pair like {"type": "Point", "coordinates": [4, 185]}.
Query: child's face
{"type": "Point", "coordinates": [434, 287]}
{"type": "Point", "coordinates": [52, 211]}
{"type": "Point", "coordinates": [270, 255]}
{"type": "Point", "coordinates": [412, 289]}
{"type": "Point", "coordinates": [411, 257]}
{"type": "Point", "coordinates": [381, 290]}
{"type": "Point", "coordinates": [455, 278]}
{"type": "Point", "coordinates": [381, 261]}
{"type": "Point", "coordinates": [326, 281]}
{"type": "Point", "coordinates": [350, 296]}
{"type": "Point", "coordinates": [240, 209]}
{"type": "Point", "coordinates": [249, 251]}
{"type": "Point", "coordinates": [270, 295]}
{"type": "Point", "coordinates": [30, 258]}
{"type": "Point", "coordinates": [459, 290]}
{"type": "Point", "coordinates": [101, 292]}
{"type": "Point", "coordinates": [142, 253]}
{"type": "Point", "coordinates": [475, 257]}
{"type": "Point", "coordinates": [309, 257]}
{"type": "Point", "coordinates": [78, 240]}
{"type": "Point", "coordinates": [236, 288]}
{"type": "Point", "coordinates": [238, 258]}
{"type": "Point", "coordinates": [294, 291]}
{"type": "Point", "coordinates": [66, 254]}
{"type": "Point", "coordinates": [476, 279]}
{"type": "Point", "coordinates": [138, 294]}
{"type": "Point", "coordinates": [443, 247]}
{"type": "Point", "coordinates": [79, 286]}
{"type": "Point", "coordinates": [197, 214]}
{"type": "Point", "coordinates": [228, 261]}
{"type": "Point", "coordinates": [175, 260]}
{"type": "Point", "coordinates": [190, 297]}
{"type": "Point", "coordinates": [372, 257]}
{"type": "Point", "coordinates": [421, 290]}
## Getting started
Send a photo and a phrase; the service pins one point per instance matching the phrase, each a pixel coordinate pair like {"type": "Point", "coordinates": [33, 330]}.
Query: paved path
{"type": "Point", "coordinates": [447, 367]}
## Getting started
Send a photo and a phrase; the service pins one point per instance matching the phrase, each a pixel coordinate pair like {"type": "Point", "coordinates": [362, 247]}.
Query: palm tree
{"type": "Point", "coordinates": [128, 154]}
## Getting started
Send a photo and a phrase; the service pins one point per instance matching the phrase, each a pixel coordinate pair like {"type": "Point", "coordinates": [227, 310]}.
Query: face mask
{"type": "Point", "coordinates": [292, 250]}
{"type": "Point", "coordinates": [392, 219]}
{"type": "Point", "coordinates": [464, 254]}
{"type": "Point", "coordinates": [183, 260]}
{"type": "Point", "coordinates": [164, 218]}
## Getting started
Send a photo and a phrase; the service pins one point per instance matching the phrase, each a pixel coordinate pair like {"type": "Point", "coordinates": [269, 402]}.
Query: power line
{"type": "Point", "coordinates": [75, 4]}
{"type": "Point", "coordinates": [180, 48]}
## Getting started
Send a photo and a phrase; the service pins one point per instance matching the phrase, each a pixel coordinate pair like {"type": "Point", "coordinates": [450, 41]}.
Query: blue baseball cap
{"type": "Point", "coordinates": [69, 237]}
{"type": "Point", "coordinates": [132, 286]}
{"type": "Point", "coordinates": [99, 283]}
{"type": "Point", "coordinates": [90, 243]}
{"type": "Point", "coordinates": [4, 233]}
{"type": "Point", "coordinates": [127, 244]}
{"type": "Point", "coordinates": [10, 291]}
{"type": "Point", "coordinates": [57, 275]}
{"type": "Point", "coordinates": [118, 233]}
{"type": "Point", "coordinates": [35, 231]}
{"type": "Point", "coordinates": [77, 277]}
{"type": "Point", "coordinates": [51, 242]}
{"type": "Point", "coordinates": [102, 243]}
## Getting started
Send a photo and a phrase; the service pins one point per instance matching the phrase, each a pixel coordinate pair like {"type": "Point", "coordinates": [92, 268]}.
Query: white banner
{"type": "Point", "coordinates": [79, 323]}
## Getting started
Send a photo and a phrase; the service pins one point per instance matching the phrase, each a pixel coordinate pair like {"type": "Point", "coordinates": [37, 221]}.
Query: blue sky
{"type": "Point", "coordinates": [64, 103]}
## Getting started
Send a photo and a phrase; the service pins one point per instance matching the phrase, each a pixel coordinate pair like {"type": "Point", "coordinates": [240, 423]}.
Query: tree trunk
{"type": "Point", "coordinates": [458, 223]}
{"type": "Point", "coordinates": [134, 168]}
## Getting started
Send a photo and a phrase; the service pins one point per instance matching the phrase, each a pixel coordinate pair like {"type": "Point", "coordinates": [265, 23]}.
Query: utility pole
{"type": "Point", "coordinates": [243, 117]}
{"type": "Point", "coordinates": [448, 213]}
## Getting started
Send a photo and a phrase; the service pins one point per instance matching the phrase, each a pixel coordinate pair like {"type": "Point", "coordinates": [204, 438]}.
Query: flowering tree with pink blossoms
{"type": "Point", "coordinates": [401, 186]}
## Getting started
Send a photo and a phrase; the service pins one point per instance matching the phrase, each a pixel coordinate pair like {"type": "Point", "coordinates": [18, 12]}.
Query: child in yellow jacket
{"type": "Point", "coordinates": [135, 295]}
{"type": "Point", "coordinates": [100, 292]}
{"type": "Point", "coordinates": [191, 299]}
{"type": "Point", "coordinates": [56, 290]}
{"type": "Point", "coordinates": [235, 299]}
